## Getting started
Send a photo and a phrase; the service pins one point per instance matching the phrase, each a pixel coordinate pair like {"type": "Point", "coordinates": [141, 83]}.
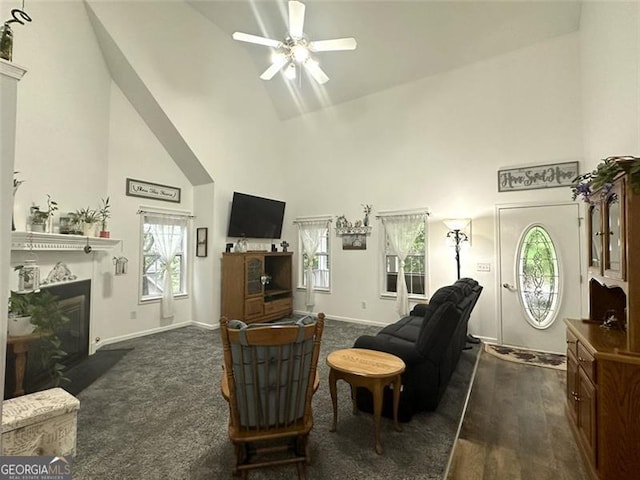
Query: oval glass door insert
{"type": "Point", "coordinates": [538, 277]}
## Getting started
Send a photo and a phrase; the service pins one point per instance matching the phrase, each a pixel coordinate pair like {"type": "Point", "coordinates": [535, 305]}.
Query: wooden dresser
{"type": "Point", "coordinates": [603, 365]}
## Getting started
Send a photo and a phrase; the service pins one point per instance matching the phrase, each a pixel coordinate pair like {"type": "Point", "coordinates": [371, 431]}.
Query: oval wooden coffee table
{"type": "Point", "coordinates": [372, 370]}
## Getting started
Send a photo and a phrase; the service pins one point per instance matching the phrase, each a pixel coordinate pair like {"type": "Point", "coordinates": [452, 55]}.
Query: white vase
{"type": "Point", "coordinates": [89, 229]}
{"type": "Point", "coordinates": [18, 326]}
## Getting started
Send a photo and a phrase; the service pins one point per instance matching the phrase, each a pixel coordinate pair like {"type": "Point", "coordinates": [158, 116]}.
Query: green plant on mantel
{"type": "Point", "coordinates": [83, 216]}
{"type": "Point", "coordinates": [104, 213]}
{"type": "Point", "coordinates": [46, 314]}
{"type": "Point", "coordinates": [602, 177]}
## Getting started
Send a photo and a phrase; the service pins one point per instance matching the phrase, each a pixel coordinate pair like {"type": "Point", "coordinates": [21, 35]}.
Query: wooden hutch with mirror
{"type": "Point", "coordinates": [603, 351]}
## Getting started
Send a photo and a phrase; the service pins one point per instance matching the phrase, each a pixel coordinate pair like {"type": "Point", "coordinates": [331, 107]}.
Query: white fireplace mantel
{"type": "Point", "coordinates": [59, 242]}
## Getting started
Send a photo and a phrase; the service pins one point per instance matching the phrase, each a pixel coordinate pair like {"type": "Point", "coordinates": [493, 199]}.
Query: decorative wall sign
{"type": "Point", "coordinates": [201, 242]}
{"type": "Point", "coordinates": [538, 176]}
{"type": "Point", "coordinates": [354, 242]}
{"type": "Point", "coordinates": [140, 188]}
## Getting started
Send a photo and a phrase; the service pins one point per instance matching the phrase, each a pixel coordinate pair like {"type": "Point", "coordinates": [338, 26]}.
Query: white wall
{"type": "Point", "coordinates": [437, 143]}
{"type": "Point", "coordinates": [215, 102]}
{"type": "Point", "coordinates": [63, 109]}
{"type": "Point", "coordinates": [610, 53]}
{"type": "Point", "coordinates": [134, 152]}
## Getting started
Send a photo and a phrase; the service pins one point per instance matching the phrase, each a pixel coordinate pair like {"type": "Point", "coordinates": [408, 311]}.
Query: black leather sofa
{"type": "Point", "coordinates": [429, 340]}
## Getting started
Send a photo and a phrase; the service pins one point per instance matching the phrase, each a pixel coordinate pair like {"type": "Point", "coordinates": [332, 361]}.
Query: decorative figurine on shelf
{"type": "Point", "coordinates": [358, 224]}
{"type": "Point", "coordinates": [6, 34]}
{"type": "Point", "coordinates": [366, 209]}
{"type": "Point", "coordinates": [341, 221]}
{"type": "Point", "coordinates": [284, 245]}
{"type": "Point", "coordinates": [612, 322]}
{"type": "Point", "coordinates": [242, 245]}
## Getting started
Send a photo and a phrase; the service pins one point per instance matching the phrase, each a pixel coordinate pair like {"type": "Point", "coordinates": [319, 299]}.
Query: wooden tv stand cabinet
{"type": "Point", "coordinates": [257, 286]}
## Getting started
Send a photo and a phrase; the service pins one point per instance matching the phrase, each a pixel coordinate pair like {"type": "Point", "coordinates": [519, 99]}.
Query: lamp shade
{"type": "Point", "coordinates": [456, 223]}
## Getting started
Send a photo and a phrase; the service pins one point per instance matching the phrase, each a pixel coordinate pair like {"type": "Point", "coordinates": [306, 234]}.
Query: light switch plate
{"type": "Point", "coordinates": [483, 267]}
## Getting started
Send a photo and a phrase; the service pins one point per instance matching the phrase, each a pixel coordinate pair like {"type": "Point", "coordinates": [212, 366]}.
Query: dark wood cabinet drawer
{"type": "Point", "coordinates": [587, 362]}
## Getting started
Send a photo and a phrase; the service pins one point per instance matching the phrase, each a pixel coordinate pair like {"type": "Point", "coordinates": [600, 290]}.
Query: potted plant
{"type": "Point", "coordinates": [45, 318]}
{"type": "Point", "coordinates": [103, 215]}
{"type": "Point", "coordinates": [602, 177]}
{"type": "Point", "coordinates": [84, 221]}
{"type": "Point", "coordinates": [37, 218]}
{"type": "Point", "coordinates": [41, 220]}
{"type": "Point", "coordinates": [19, 321]}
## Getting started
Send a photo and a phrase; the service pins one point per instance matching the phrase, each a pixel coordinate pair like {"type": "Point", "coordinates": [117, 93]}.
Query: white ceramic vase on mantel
{"type": "Point", "coordinates": [89, 229]}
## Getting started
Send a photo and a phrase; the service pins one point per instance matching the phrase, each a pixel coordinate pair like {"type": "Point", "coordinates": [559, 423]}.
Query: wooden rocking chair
{"type": "Point", "coordinates": [270, 376]}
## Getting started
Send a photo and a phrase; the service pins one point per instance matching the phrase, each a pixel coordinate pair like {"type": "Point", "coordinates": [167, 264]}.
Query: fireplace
{"type": "Point", "coordinates": [75, 300]}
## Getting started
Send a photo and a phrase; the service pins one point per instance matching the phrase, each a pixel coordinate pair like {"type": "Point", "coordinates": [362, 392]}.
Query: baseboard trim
{"type": "Point", "coordinates": [131, 336]}
{"type": "Point", "coordinates": [344, 319]}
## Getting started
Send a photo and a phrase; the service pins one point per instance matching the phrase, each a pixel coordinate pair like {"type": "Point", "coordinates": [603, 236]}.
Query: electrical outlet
{"type": "Point", "coordinates": [364, 305]}
{"type": "Point", "coordinates": [133, 315]}
{"type": "Point", "coordinates": [483, 267]}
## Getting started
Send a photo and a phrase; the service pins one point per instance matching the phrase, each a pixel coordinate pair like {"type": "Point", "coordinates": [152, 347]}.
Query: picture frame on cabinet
{"type": "Point", "coordinates": [201, 241]}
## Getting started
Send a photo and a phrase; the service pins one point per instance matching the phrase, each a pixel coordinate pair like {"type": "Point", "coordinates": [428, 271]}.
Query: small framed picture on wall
{"type": "Point", "coordinates": [201, 242]}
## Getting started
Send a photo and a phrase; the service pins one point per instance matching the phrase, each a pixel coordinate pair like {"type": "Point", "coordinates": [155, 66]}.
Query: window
{"type": "Point", "coordinates": [163, 237]}
{"type": "Point", "coordinates": [412, 233]}
{"type": "Point", "coordinates": [538, 277]}
{"type": "Point", "coordinates": [318, 233]}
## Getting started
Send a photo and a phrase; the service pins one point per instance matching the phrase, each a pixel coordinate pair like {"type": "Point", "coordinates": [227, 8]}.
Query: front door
{"type": "Point", "coordinates": [540, 271]}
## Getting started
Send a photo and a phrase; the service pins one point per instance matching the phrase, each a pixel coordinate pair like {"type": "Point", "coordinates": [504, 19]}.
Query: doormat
{"type": "Point", "coordinates": [529, 357]}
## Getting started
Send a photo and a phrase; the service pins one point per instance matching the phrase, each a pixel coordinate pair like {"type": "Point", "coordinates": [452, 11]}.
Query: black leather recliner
{"type": "Point", "coordinates": [429, 341]}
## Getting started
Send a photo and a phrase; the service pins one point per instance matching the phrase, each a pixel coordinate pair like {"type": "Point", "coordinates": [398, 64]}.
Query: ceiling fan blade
{"type": "Point", "coordinates": [333, 45]}
{"type": "Point", "coordinates": [275, 67]}
{"type": "Point", "coordinates": [245, 37]}
{"type": "Point", "coordinates": [316, 72]}
{"type": "Point", "coordinates": [296, 19]}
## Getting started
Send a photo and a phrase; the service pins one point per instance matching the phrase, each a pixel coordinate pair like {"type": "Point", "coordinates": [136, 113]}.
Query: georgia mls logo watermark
{"type": "Point", "coordinates": [35, 468]}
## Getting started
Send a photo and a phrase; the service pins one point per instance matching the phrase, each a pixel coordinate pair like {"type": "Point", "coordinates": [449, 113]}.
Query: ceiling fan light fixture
{"type": "Point", "coordinates": [296, 48]}
{"type": "Point", "coordinates": [300, 53]}
{"type": "Point", "coordinates": [290, 71]}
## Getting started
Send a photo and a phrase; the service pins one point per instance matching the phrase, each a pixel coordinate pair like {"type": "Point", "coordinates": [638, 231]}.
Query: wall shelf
{"type": "Point", "coordinates": [353, 230]}
{"type": "Point", "coordinates": [38, 241]}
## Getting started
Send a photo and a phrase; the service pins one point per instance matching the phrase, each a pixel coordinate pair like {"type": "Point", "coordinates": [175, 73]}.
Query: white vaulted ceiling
{"type": "Point", "coordinates": [398, 41]}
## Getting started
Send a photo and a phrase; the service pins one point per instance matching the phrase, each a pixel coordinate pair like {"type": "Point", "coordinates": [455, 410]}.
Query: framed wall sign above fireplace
{"type": "Point", "coordinates": [155, 191]}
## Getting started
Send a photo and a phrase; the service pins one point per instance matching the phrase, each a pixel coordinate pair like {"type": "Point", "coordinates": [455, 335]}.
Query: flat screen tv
{"type": "Point", "coordinates": [255, 217]}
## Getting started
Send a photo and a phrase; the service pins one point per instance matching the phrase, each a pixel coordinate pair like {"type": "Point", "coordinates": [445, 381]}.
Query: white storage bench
{"type": "Point", "coordinates": [41, 423]}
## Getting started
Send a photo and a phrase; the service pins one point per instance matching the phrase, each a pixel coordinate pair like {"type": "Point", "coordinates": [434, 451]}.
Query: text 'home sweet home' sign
{"type": "Point", "coordinates": [538, 176]}
{"type": "Point", "coordinates": [138, 188]}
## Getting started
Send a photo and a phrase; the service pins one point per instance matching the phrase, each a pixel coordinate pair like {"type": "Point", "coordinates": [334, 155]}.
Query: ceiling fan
{"type": "Point", "coordinates": [296, 48]}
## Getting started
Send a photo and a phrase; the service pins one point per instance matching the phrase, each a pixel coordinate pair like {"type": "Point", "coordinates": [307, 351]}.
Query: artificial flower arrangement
{"type": "Point", "coordinates": [602, 177]}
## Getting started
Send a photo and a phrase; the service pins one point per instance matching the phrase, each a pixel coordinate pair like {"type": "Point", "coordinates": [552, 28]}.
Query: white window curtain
{"type": "Point", "coordinates": [169, 237]}
{"type": "Point", "coordinates": [310, 233]}
{"type": "Point", "coordinates": [401, 231]}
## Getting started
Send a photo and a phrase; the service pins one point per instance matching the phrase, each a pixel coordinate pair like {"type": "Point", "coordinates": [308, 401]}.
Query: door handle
{"type": "Point", "coordinates": [511, 288]}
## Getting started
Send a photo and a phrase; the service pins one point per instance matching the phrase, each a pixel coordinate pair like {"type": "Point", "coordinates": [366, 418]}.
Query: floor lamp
{"type": "Point", "coordinates": [455, 226]}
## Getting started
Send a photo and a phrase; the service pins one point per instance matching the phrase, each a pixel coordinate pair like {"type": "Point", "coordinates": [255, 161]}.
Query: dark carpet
{"type": "Point", "coordinates": [90, 369]}
{"type": "Point", "coordinates": [159, 414]}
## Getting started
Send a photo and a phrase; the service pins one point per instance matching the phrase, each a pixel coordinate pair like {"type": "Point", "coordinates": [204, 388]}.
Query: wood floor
{"type": "Point", "coordinates": [515, 426]}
